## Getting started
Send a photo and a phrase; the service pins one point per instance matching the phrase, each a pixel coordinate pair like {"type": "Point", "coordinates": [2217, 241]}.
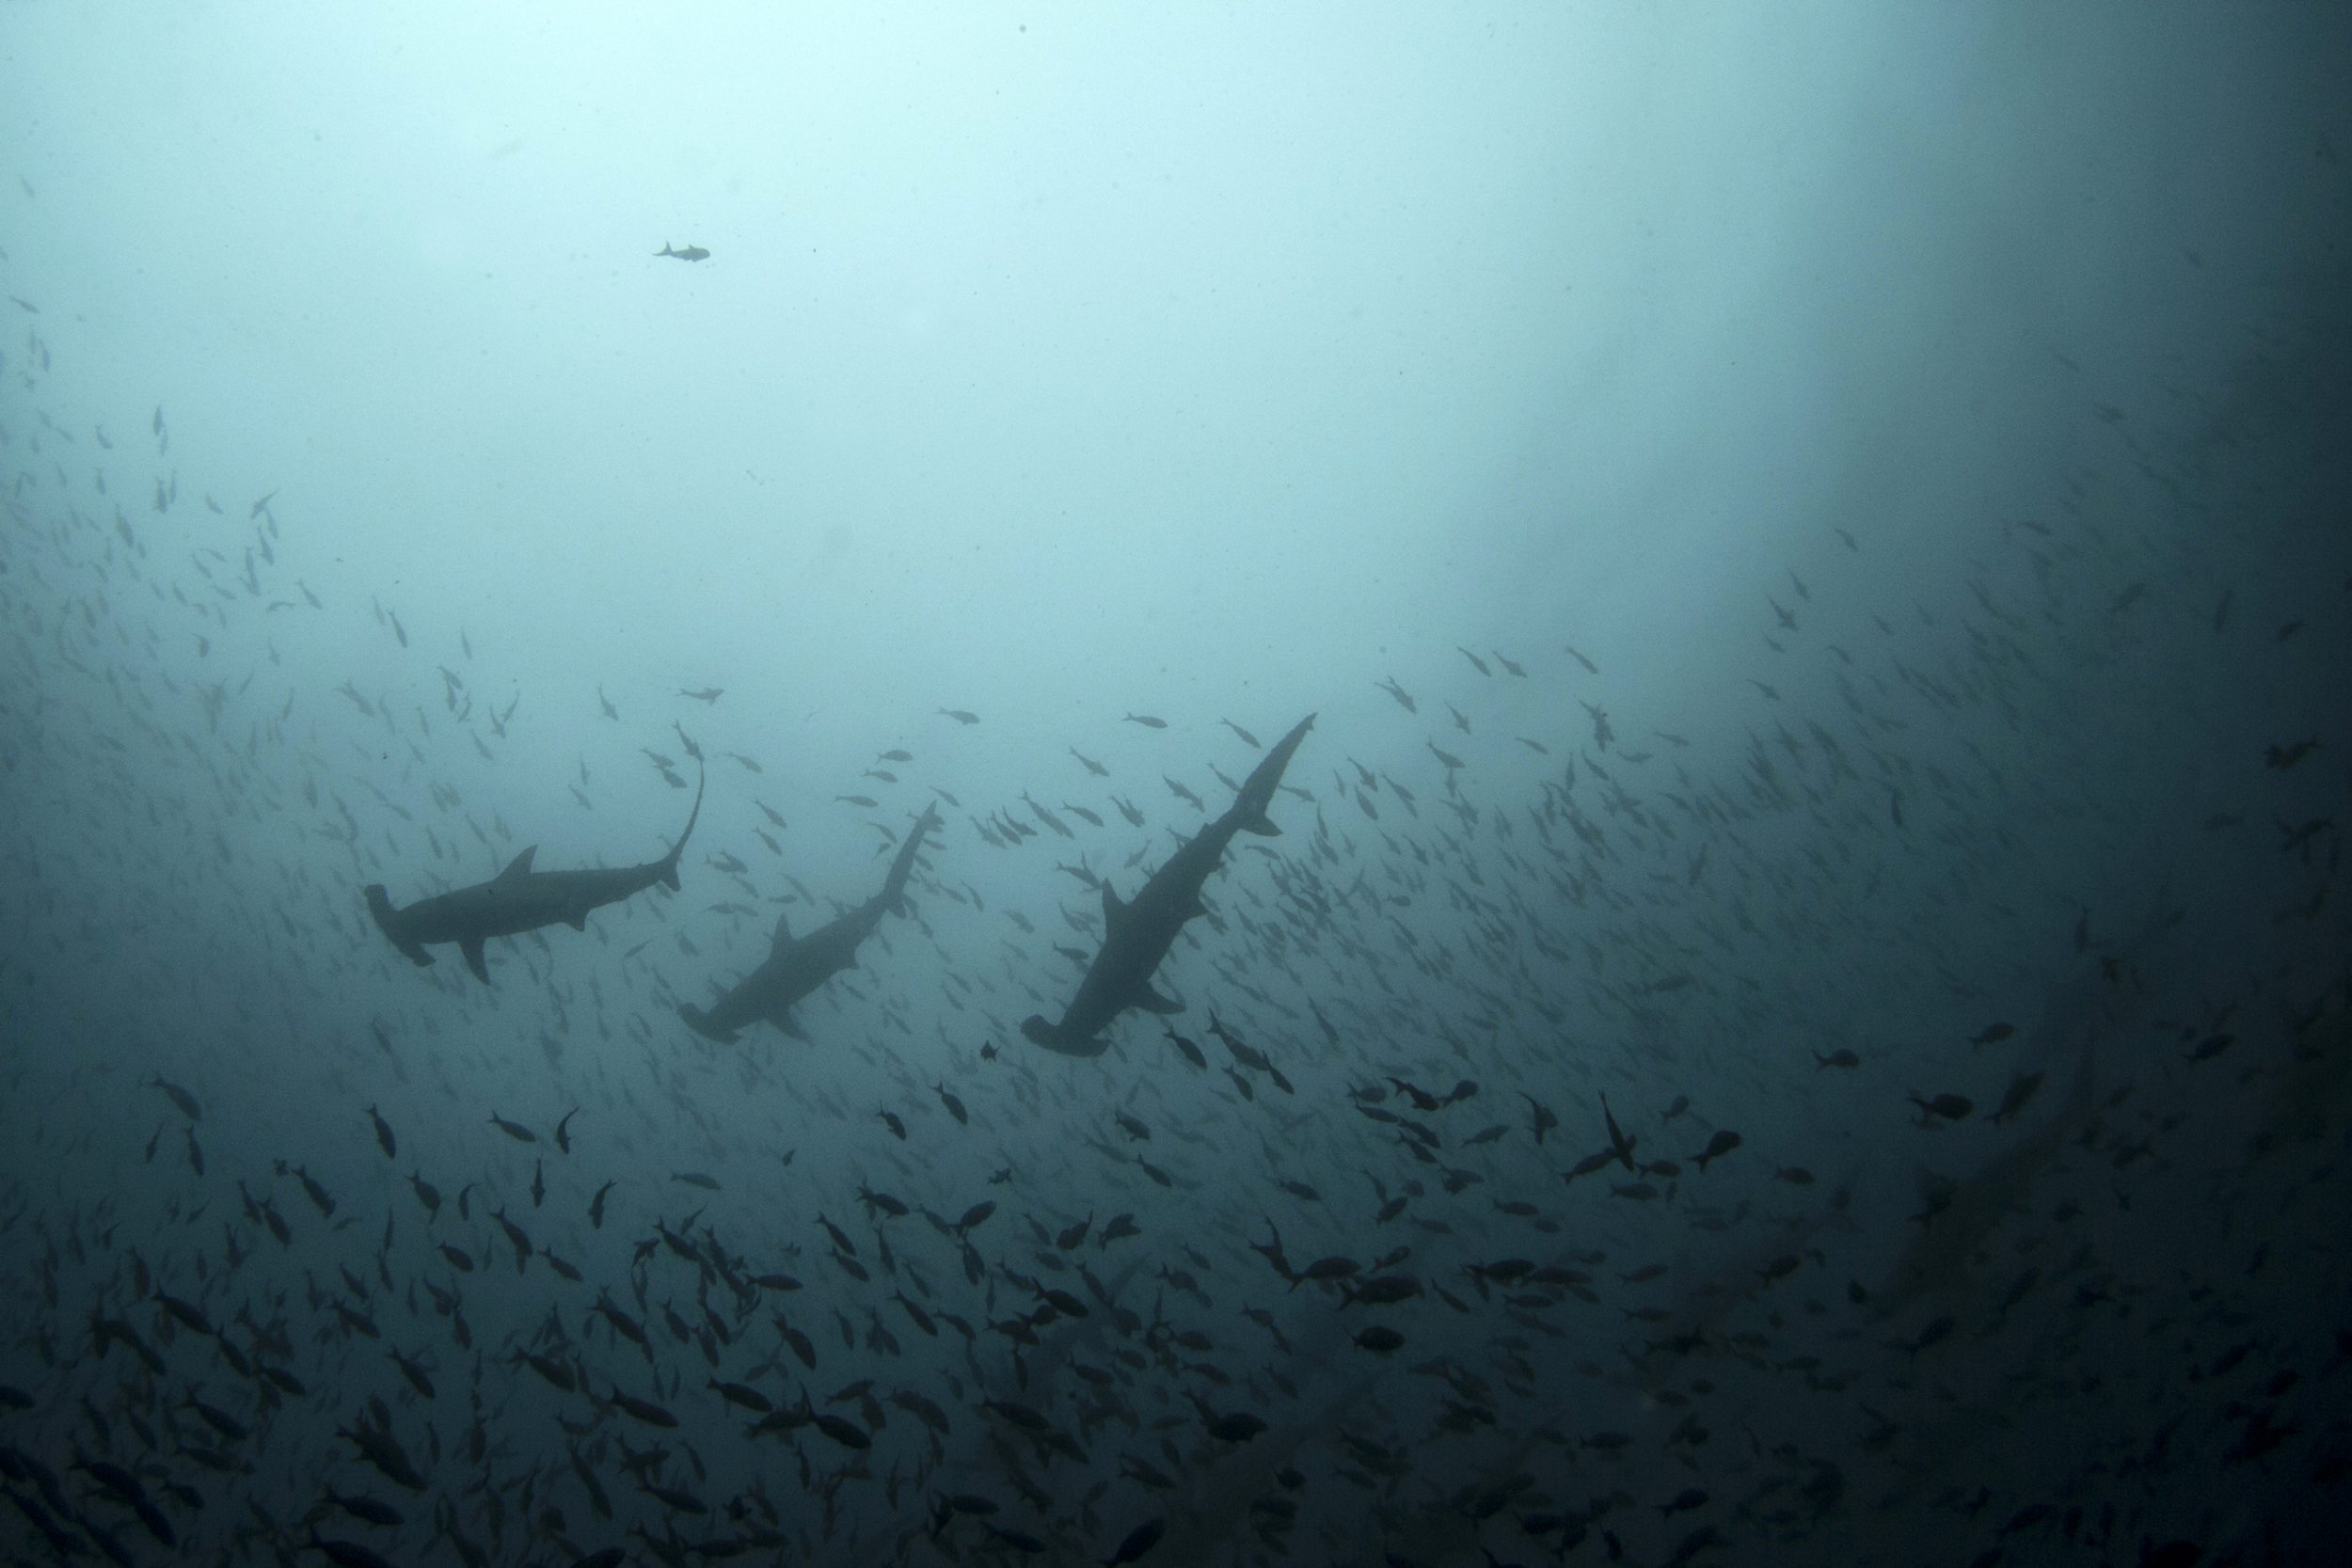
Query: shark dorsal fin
{"type": "Point", "coordinates": [1112, 907]}
{"type": "Point", "coordinates": [519, 866]}
{"type": "Point", "coordinates": [783, 928]}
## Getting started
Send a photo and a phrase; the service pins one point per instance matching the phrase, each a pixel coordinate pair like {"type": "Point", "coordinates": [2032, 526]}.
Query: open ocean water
{"type": "Point", "coordinates": [1406, 786]}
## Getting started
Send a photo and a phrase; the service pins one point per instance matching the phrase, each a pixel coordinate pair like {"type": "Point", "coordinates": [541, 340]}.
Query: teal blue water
{"type": "Point", "coordinates": [1791, 1004]}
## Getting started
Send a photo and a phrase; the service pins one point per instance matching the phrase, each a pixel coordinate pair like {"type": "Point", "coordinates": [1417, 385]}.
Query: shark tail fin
{"type": "Point", "coordinates": [668, 863]}
{"type": "Point", "coordinates": [902, 868]}
{"type": "Point", "coordinates": [387, 919]}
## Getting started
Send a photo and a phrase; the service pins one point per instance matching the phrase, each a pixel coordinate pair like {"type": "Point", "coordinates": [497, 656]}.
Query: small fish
{"type": "Point", "coordinates": [691, 253]}
{"type": "Point", "coordinates": [1192, 1052]}
{"type": "Point", "coordinates": [1403, 698]}
{"type": "Point", "coordinates": [1247, 739]}
{"type": "Point", "coordinates": [180, 1096]}
{"type": "Point", "coordinates": [1991, 1034]}
{"type": "Point", "coordinates": [706, 695]}
{"type": "Point", "coordinates": [1717, 1147]}
{"type": "Point", "coordinates": [2206, 1051]}
{"type": "Point", "coordinates": [1147, 720]}
{"type": "Point", "coordinates": [959, 715]}
{"type": "Point", "coordinates": [515, 1131]}
{"type": "Point", "coordinates": [1838, 1058]}
{"type": "Point", "coordinates": [1951, 1107]}
{"type": "Point", "coordinates": [2021, 1089]}
{"type": "Point", "coordinates": [384, 1139]}
{"type": "Point", "coordinates": [1688, 1499]}
{"type": "Point", "coordinates": [562, 1139]}
{"type": "Point", "coordinates": [644, 1410]}
{"type": "Point", "coordinates": [1138, 1540]}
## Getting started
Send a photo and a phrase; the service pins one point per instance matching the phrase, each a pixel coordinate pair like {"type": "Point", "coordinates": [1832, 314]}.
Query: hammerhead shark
{"type": "Point", "coordinates": [520, 899]}
{"type": "Point", "coordinates": [1138, 935]}
{"type": "Point", "coordinates": [794, 968]}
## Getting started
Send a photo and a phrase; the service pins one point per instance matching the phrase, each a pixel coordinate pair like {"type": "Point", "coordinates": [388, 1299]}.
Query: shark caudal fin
{"type": "Point", "coordinates": [387, 919]}
{"type": "Point", "coordinates": [1257, 791]}
{"type": "Point", "coordinates": [895, 885]}
{"type": "Point", "coordinates": [668, 862]}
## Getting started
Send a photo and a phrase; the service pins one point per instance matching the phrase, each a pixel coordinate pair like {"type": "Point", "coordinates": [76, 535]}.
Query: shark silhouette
{"type": "Point", "coordinates": [518, 899]}
{"type": "Point", "coordinates": [793, 969]}
{"type": "Point", "coordinates": [1138, 935]}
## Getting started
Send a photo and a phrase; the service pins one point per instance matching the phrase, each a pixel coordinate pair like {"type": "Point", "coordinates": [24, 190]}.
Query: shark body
{"type": "Point", "coordinates": [518, 899]}
{"type": "Point", "coordinates": [1137, 935]}
{"type": "Point", "coordinates": [794, 968]}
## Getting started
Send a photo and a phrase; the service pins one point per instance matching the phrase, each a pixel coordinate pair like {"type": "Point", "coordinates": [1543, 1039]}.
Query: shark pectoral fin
{"type": "Point", "coordinates": [473, 949]}
{"type": "Point", "coordinates": [782, 1018]}
{"type": "Point", "coordinates": [577, 920]}
{"type": "Point", "coordinates": [700, 1022]}
{"type": "Point", "coordinates": [518, 866]}
{"type": "Point", "coordinates": [669, 875]}
{"type": "Point", "coordinates": [1152, 1002]}
{"type": "Point", "coordinates": [1263, 826]}
{"type": "Point", "coordinates": [1053, 1038]}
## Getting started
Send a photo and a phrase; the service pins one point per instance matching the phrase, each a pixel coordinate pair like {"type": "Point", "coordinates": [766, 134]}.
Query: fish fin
{"type": "Point", "coordinates": [578, 921]}
{"type": "Point", "coordinates": [1112, 907]}
{"type": "Point", "coordinates": [781, 1018]}
{"type": "Point", "coordinates": [700, 1022]}
{"type": "Point", "coordinates": [668, 863]}
{"type": "Point", "coordinates": [1152, 1002]}
{"type": "Point", "coordinates": [783, 933]}
{"type": "Point", "coordinates": [1261, 825]}
{"type": "Point", "coordinates": [473, 949]}
{"type": "Point", "coordinates": [518, 866]}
